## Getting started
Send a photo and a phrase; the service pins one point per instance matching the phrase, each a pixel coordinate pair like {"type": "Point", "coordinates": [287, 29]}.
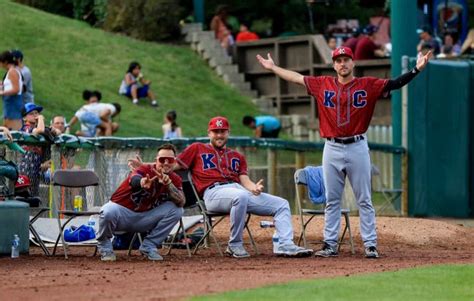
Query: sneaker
{"type": "Point", "coordinates": [371, 252]}
{"type": "Point", "coordinates": [151, 254]}
{"type": "Point", "coordinates": [108, 256]}
{"type": "Point", "coordinates": [135, 101]}
{"type": "Point", "coordinates": [293, 251]}
{"type": "Point", "coordinates": [154, 103]}
{"type": "Point", "coordinates": [237, 252]}
{"type": "Point", "coordinates": [326, 251]}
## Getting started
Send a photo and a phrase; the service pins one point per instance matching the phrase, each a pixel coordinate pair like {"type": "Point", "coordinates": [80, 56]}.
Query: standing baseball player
{"type": "Point", "coordinates": [346, 105]}
{"type": "Point", "coordinates": [220, 176]}
{"type": "Point", "coordinates": [150, 200]}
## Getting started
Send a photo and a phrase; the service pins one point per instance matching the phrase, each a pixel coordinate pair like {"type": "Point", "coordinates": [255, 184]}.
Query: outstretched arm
{"type": "Point", "coordinates": [285, 74]}
{"type": "Point", "coordinates": [402, 80]}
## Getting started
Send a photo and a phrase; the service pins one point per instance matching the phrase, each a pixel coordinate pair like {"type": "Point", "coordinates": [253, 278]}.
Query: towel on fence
{"type": "Point", "coordinates": [315, 182]}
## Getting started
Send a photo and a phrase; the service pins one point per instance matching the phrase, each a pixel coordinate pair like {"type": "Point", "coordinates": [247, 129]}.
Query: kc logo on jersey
{"type": "Point", "coordinates": [207, 161]}
{"type": "Point", "coordinates": [359, 99]}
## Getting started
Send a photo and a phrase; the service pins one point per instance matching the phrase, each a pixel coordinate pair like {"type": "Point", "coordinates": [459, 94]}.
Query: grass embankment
{"type": "Point", "coordinates": [67, 56]}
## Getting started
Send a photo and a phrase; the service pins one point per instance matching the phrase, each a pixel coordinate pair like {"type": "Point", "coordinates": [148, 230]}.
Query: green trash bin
{"type": "Point", "coordinates": [14, 219]}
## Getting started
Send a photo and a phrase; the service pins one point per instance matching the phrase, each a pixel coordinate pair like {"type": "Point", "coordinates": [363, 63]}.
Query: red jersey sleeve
{"type": "Point", "coordinates": [186, 158]}
{"type": "Point", "coordinates": [177, 181]}
{"type": "Point", "coordinates": [312, 84]}
{"type": "Point", "coordinates": [376, 86]}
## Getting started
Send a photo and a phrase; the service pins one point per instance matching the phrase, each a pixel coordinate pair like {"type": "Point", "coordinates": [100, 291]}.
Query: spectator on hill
{"type": "Point", "coordinates": [264, 126]}
{"type": "Point", "coordinates": [170, 128]}
{"type": "Point", "coordinates": [95, 117]}
{"type": "Point", "coordinates": [366, 48]}
{"type": "Point", "coordinates": [332, 43]}
{"type": "Point", "coordinates": [135, 86]}
{"type": "Point", "coordinates": [426, 38]}
{"type": "Point", "coordinates": [28, 95]}
{"type": "Point", "coordinates": [220, 27]}
{"type": "Point", "coordinates": [245, 34]}
{"type": "Point", "coordinates": [30, 163]}
{"type": "Point", "coordinates": [11, 90]}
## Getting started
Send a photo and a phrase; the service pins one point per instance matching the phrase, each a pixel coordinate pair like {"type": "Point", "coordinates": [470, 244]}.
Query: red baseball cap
{"type": "Point", "coordinates": [22, 181]}
{"type": "Point", "coordinates": [342, 51]}
{"type": "Point", "coordinates": [218, 123]}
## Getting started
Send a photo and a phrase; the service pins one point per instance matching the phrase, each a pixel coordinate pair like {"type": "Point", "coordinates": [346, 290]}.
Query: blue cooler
{"type": "Point", "coordinates": [14, 219]}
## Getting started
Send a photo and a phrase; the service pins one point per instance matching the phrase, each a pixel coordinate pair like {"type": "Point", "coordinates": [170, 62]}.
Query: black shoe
{"type": "Point", "coordinates": [326, 251]}
{"type": "Point", "coordinates": [371, 252]}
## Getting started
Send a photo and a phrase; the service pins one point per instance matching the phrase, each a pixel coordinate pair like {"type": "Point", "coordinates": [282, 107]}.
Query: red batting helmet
{"type": "Point", "coordinates": [342, 51]}
{"type": "Point", "coordinates": [218, 123]}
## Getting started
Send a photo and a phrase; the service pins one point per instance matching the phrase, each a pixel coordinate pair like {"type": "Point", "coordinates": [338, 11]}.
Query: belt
{"type": "Point", "coordinates": [347, 140]}
{"type": "Point", "coordinates": [219, 184]}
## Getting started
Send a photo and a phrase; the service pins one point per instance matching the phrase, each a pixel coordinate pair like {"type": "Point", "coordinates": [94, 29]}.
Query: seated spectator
{"type": "Point", "coordinates": [352, 41]}
{"type": "Point", "coordinates": [366, 48]}
{"type": "Point", "coordinates": [30, 163]}
{"type": "Point", "coordinates": [135, 86]}
{"type": "Point", "coordinates": [95, 117]}
{"type": "Point", "coordinates": [28, 95]}
{"type": "Point", "coordinates": [332, 43]}
{"type": "Point", "coordinates": [426, 37]}
{"type": "Point", "coordinates": [245, 34]}
{"type": "Point", "coordinates": [264, 126]}
{"type": "Point", "coordinates": [11, 90]}
{"type": "Point", "coordinates": [170, 128]}
{"type": "Point", "coordinates": [468, 45]}
{"type": "Point", "coordinates": [450, 47]}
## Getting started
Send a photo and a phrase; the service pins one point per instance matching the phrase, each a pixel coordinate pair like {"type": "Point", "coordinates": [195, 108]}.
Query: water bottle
{"type": "Point", "coordinates": [15, 246]}
{"type": "Point", "coordinates": [267, 224]}
{"type": "Point", "coordinates": [91, 223]}
{"type": "Point", "coordinates": [276, 242]}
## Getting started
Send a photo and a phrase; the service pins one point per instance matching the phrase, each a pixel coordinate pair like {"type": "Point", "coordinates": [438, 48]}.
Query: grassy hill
{"type": "Point", "coordinates": [68, 56]}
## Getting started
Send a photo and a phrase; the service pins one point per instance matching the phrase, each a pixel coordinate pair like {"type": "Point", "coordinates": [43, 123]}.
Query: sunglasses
{"type": "Point", "coordinates": [169, 160]}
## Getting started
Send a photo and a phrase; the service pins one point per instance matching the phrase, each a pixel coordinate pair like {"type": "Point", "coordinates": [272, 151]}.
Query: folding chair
{"type": "Point", "coordinates": [208, 217]}
{"type": "Point", "coordinates": [301, 180]}
{"type": "Point", "coordinates": [390, 195]}
{"type": "Point", "coordinates": [73, 179]}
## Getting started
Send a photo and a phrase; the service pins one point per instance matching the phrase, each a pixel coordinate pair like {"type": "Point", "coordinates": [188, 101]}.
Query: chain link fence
{"type": "Point", "coordinates": [272, 160]}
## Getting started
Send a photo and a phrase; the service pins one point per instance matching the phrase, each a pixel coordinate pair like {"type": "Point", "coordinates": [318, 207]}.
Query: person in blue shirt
{"type": "Point", "coordinates": [265, 126]}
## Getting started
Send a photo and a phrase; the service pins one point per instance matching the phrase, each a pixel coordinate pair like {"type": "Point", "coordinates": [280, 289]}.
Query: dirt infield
{"type": "Point", "coordinates": [403, 243]}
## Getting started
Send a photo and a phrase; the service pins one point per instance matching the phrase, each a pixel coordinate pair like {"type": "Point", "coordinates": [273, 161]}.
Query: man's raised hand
{"type": "Point", "coordinates": [146, 182]}
{"type": "Point", "coordinates": [422, 60]}
{"type": "Point", "coordinates": [258, 187]}
{"type": "Point", "coordinates": [266, 63]}
{"type": "Point", "coordinates": [134, 163]}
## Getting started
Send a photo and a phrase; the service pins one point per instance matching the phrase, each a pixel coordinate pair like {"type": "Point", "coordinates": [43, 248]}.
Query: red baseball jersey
{"type": "Point", "coordinates": [144, 199]}
{"type": "Point", "coordinates": [209, 165]}
{"type": "Point", "coordinates": [344, 110]}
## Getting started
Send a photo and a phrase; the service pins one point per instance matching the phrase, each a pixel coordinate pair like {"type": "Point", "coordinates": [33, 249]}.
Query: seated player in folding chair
{"type": "Point", "coordinates": [150, 200]}
{"type": "Point", "coordinates": [220, 176]}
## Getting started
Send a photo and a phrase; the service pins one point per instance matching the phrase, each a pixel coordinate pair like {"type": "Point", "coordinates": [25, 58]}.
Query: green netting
{"type": "Point", "coordinates": [272, 160]}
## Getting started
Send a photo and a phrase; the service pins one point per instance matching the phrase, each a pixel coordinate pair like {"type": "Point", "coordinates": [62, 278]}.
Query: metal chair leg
{"type": "Point", "coordinates": [252, 241]}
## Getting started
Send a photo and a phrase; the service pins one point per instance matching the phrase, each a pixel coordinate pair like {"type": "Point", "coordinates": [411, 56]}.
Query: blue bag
{"type": "Point", "coordinates": [77, 234]}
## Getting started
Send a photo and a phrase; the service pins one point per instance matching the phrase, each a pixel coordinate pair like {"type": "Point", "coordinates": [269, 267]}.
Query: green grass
{"type": "Point", "coordinates": [68, 56]}
{"type": "Point", "coordinates": [448, 282]}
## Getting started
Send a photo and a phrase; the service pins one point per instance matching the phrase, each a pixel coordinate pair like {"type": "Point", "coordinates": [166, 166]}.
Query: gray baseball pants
{"type": "Point", "coordinates": [159, 221]}
{"type": "Point", "coordinates": [237, 201]}
{"type": "Point", "coordinates": [351, 160]}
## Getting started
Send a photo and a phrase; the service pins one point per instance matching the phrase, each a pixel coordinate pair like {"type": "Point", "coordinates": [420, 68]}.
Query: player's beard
{"type": "Point", "coordinates": [345, 73]}
{"type": "Point", "coordinates": [219, 142]}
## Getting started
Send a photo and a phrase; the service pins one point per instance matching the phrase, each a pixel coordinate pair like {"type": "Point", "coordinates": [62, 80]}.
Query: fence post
{"type": "Point", "coordinates": [272, 171]}
{"type": "Point", "coordinates": [404, 204]}
{"type": "Point", "coordinates": [55, 195]}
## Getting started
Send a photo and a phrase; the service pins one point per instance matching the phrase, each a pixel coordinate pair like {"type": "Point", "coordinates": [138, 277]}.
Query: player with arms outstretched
{"type": "Point", "coordinates": [346, 104]}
